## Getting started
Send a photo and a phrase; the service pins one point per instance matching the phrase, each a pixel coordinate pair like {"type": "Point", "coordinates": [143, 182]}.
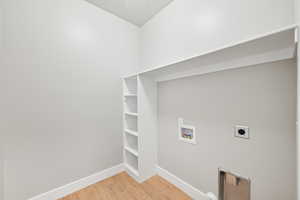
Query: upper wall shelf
{"type": "Point", "coordinates": [273, 46]}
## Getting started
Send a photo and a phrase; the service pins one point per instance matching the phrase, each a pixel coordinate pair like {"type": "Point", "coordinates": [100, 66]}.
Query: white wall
{"type": "Point", "coordinates": [61, 103]}
{"type": "Point", "coordinates": [187, 28]}
{"type": "Point", "coordinates": [297, 18]}
{"type": "Point", "coordinates": [297, 10]}
{"type": "Point", "coordinates": [262, 97]}
{"type": "Point", "coordinates": [1, 133]}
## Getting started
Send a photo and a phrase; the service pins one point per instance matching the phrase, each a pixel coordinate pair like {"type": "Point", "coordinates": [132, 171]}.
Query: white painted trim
{"type": "Point", "coordinates": [79, 184]}
{"type": "Point", "coordinates": [187, 188]}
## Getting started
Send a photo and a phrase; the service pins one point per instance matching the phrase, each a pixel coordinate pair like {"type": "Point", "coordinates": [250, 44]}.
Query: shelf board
{"type": "Point", "coordinates": [264, 48]}
{"type": "Point", "coordinates": [130, 95]}
{"type": "Point", "coordinates": [132, 151]}
{"type": "Point", "coordinates": [134, 133]}
{"type": "Point", "coordinates": [132, 170]}
{"type": "Point", "coordinates": [131, 113]}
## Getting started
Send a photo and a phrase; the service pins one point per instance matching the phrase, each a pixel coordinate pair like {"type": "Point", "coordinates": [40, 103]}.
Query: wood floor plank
{"type": "Point", "coordinates": [105, 192]}
{"type": "Point", "coordinates": [138, 193]}
{"type": "Point", "coordinates": [123, 187]}
{"type": "Point", "coordinates": [88, 194]}
{"type": "Point", "coordinates": [153, 190]}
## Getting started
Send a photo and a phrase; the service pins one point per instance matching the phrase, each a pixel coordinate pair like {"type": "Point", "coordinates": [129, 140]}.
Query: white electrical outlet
{"type": "Point", "coordinates": [242, 132]}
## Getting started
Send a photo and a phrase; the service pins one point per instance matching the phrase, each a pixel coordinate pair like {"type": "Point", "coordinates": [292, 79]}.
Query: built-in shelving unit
{"type": "Point", "coordinates": [130, 132]}
{"type": "Point", "coordinates": [140, 90]}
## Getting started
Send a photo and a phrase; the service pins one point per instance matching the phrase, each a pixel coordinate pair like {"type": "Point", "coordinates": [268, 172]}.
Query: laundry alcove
{"type": "Point", "coordinates": [266, 48]}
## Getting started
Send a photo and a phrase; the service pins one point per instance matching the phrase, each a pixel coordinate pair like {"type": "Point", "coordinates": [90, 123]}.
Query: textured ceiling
{"type": "Point", "coordinates": [137, 12]}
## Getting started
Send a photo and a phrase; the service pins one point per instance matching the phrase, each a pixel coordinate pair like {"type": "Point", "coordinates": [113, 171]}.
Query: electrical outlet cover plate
{"type": "Point", "coordinates": [242, 132]}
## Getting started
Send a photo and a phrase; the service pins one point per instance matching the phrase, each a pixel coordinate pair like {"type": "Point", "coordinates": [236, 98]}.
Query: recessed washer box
{"type": "Point", "coordinates": [242, 132]}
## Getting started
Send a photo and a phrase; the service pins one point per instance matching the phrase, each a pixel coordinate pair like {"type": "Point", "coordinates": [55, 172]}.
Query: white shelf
{"type": "Point", "coordinates": [130, 95]}
{"type": "Point", "coordinates": [131, 114]}
{"type": "Point", "coordinates": [131, 169]}
{"type": "Point", "coordinates": [134, 133]}
{"type": "Point", "coordinates": [132, 151]}
{"type": "Point", "coordinates": [269, 47]}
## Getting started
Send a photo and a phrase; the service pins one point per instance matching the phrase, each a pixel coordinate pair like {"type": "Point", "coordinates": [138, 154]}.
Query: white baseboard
{"type": "Point", "coordinates": [79, 184]}
{"type": "Point", "coordinates": [187, 188]}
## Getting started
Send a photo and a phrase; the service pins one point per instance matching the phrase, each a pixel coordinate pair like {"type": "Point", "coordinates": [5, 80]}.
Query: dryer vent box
{"type": "Point", "coordinates": [233, 186]}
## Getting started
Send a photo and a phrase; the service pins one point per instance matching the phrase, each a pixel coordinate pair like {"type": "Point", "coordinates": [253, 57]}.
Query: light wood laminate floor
{"type": "Point", "coordinates": [123, 187]}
